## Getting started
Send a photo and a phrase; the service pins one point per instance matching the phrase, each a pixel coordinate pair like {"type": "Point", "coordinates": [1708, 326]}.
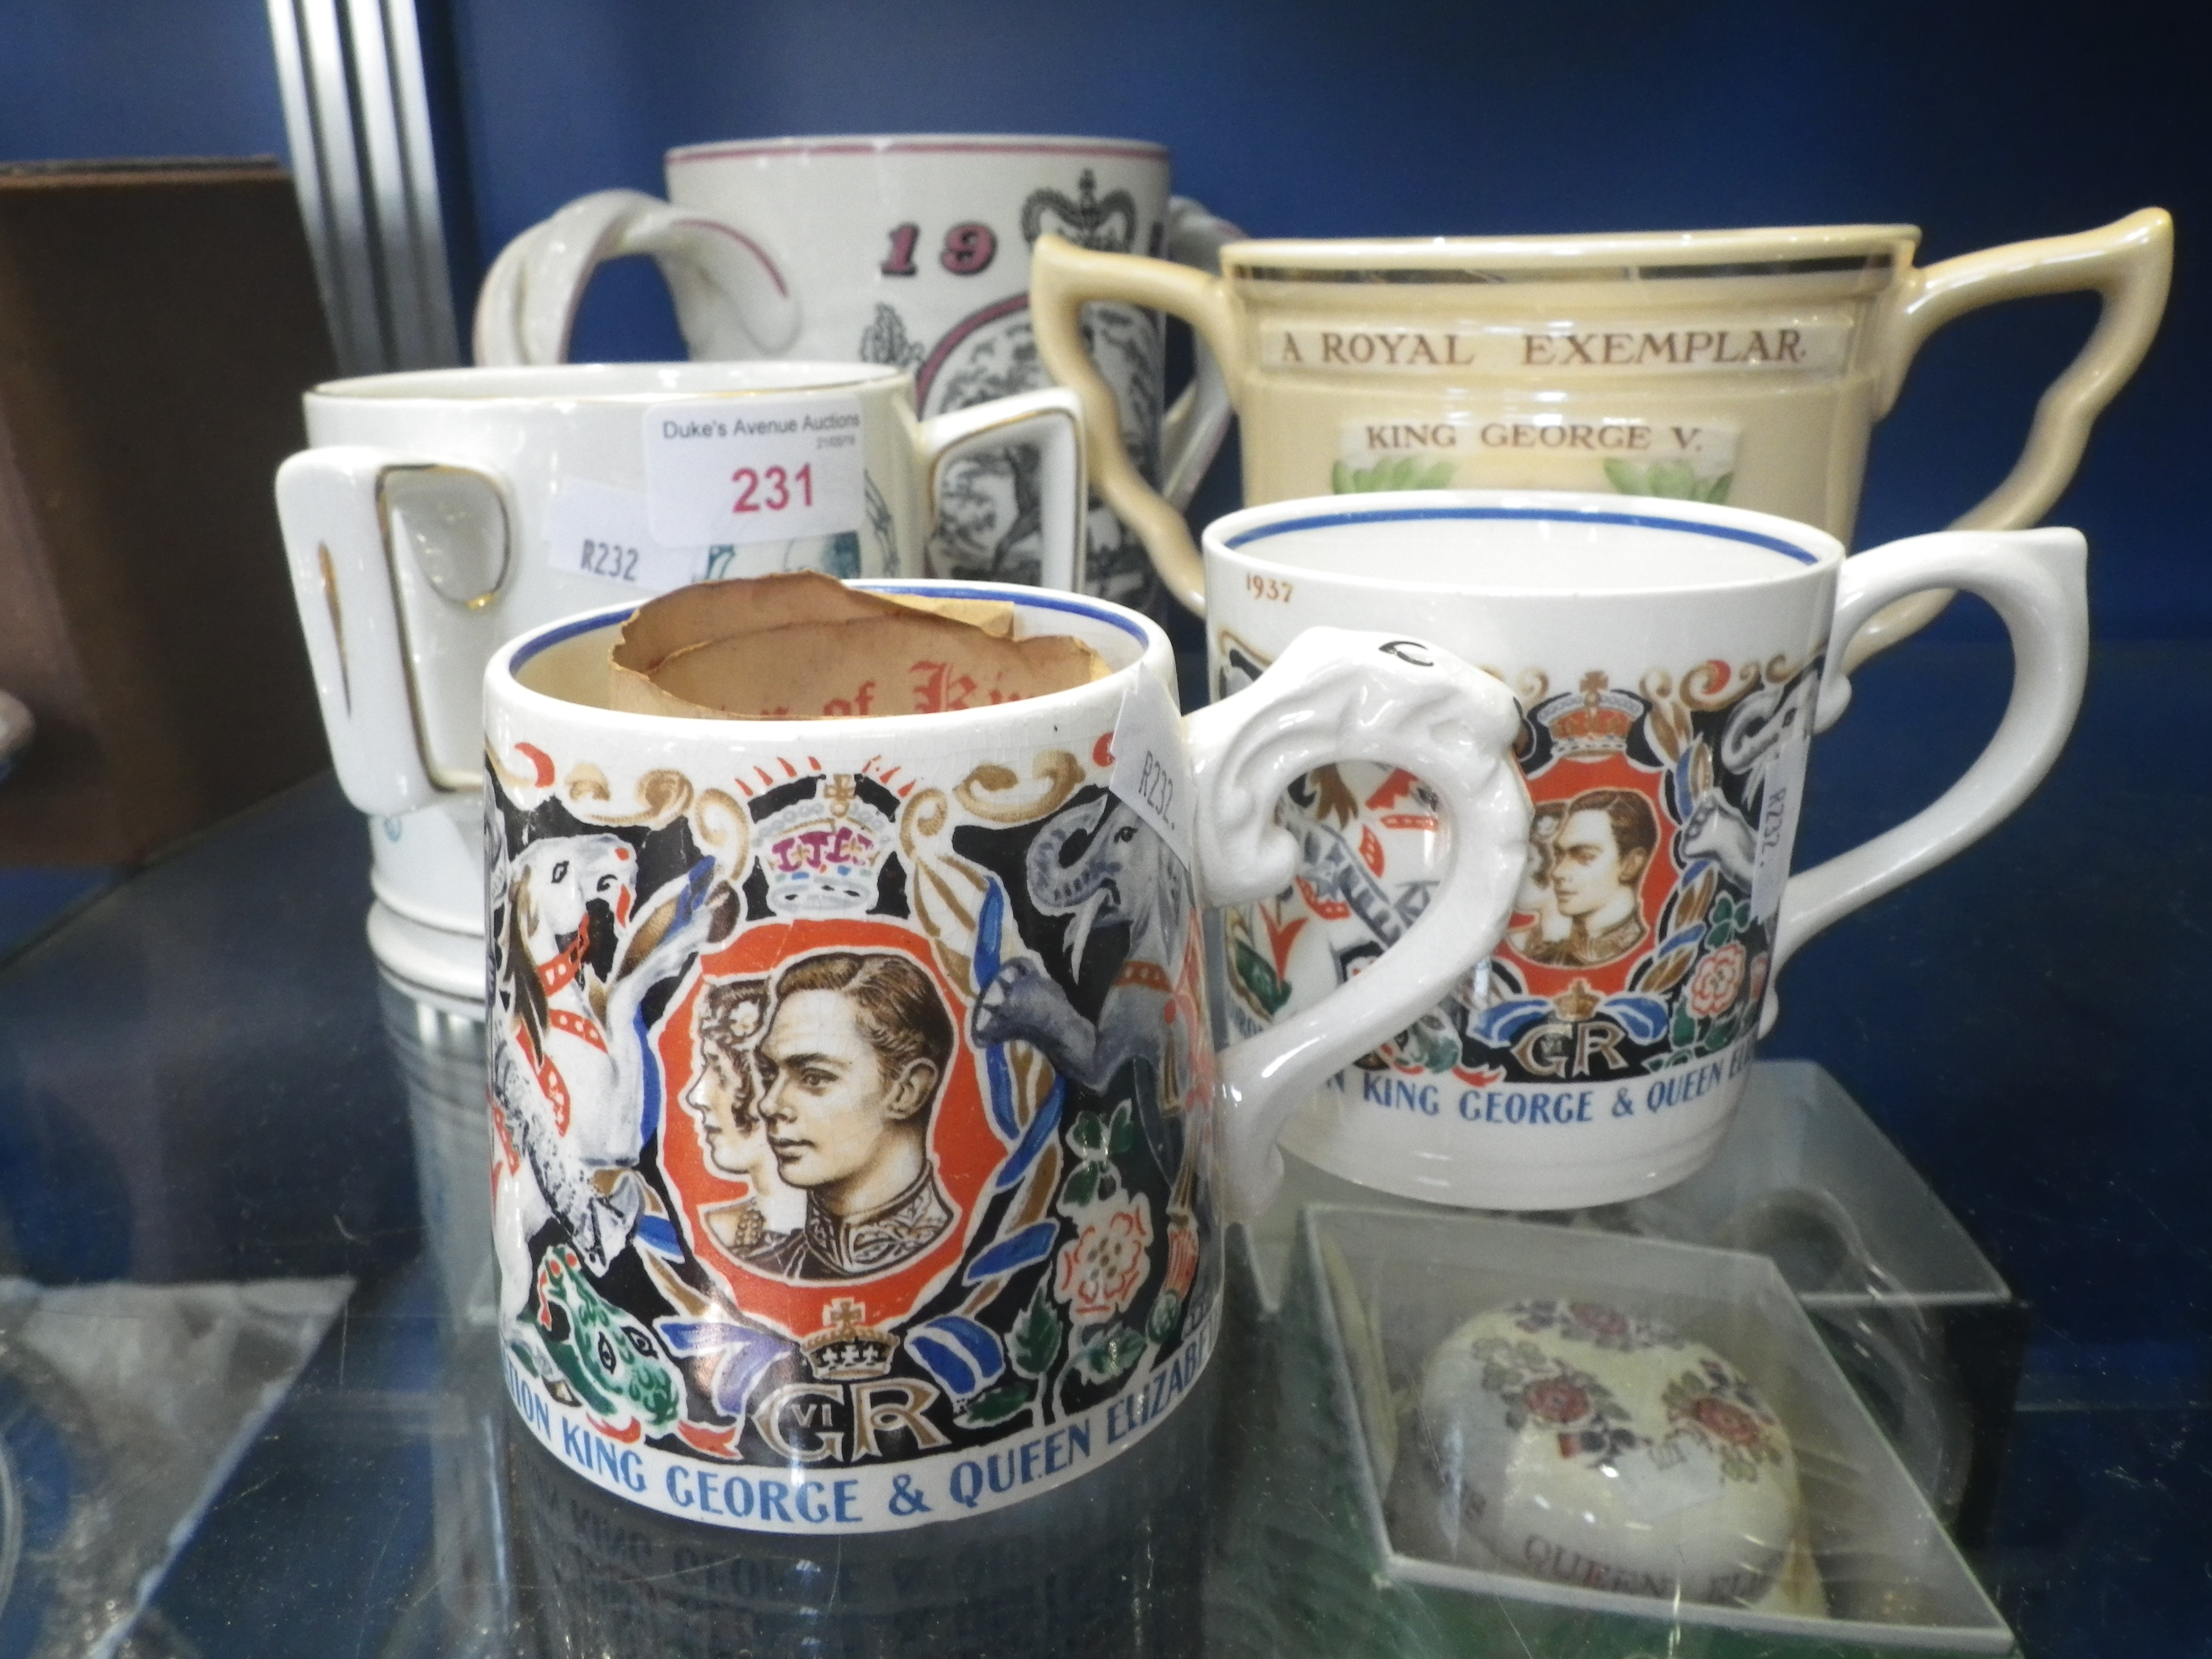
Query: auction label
{"type": "Point", "coordinates": [738, 469]}
{"type": "Point", "coordinates": [604, 530]}
{"type": "Point", "coordinates": [1151, 767]}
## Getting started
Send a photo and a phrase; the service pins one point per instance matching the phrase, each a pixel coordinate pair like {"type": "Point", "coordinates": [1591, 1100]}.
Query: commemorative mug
{"type": "Point", "coordinates": [439, 513]}
{"type": "Point", "coordinates": [1744, 366]}
{"type": "Point", "coordinates": [1672, 661]}
{"type": "Point", "coordinates": [907, 249]}
{"type": "Point", "coordinates": [858, 1160]}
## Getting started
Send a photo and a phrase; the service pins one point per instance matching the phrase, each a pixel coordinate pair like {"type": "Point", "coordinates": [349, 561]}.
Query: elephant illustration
{"type": "Point", "coordinates": [1124, 872]}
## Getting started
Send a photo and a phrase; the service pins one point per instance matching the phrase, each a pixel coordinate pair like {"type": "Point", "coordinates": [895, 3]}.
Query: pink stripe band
{"type": "Point", "coordinates": [1132, 152]}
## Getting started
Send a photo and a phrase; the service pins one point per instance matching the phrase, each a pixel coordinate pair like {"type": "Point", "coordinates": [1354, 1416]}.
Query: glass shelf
{"type": "Point", "coordinates": [202, 1081]}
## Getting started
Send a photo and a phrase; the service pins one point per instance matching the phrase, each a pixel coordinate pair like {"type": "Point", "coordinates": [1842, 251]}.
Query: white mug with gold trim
{"type": "Point", "coordinates": [441, 512]}
{"type": "Point", "coordinates": [1744, 366]}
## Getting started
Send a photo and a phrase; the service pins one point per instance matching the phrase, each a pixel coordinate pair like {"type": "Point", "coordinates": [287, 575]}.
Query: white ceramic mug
{"type": "Point", "coordinates": [442, 512]}
{"type": "Point", "coordinates": [907, 249]}
{"type": "Point", "coordinates": [1745, 366]}
{"type": "Point", "coordinates": [1673, 660]}
{"type": "Point", "coordinates": [860, 1161]}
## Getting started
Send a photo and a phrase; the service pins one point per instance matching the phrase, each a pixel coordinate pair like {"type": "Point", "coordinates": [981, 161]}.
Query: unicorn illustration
{"type": "Point", "coordinates": [574, 1077]}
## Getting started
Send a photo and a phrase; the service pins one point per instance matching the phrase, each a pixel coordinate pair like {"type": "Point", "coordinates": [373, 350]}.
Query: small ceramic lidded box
{"type": "Point", "coordinates": [1583, 1444]}
{"type": "Point", "coordinates": [1591, 1442]}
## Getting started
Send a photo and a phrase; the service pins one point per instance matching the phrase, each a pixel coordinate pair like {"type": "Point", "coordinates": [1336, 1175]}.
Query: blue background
{"type": "Point", "coordinates": [2026, 1021]}
{"type": "Point", "coordinates": [1981, 122]}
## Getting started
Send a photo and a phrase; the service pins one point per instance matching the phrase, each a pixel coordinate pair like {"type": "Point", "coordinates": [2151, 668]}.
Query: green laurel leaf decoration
{"type": "Point", "coordinates": [1036, 1334]}
{"type": "Point", "coordinates": [1257, 976]}
{"type": "Point", "coordinates": [1082, 1186]}
{"type": "Point", "coordinates": [1167, 1309]}
{"type": "Point", "coordinates": [1391, 472]}
{"type": "Point", "coordinates": [1110, 1352]}
{"type": "Point", "coordinates": [1626, 476]}
{"type": "Point", "coordinates": [997, 1405]}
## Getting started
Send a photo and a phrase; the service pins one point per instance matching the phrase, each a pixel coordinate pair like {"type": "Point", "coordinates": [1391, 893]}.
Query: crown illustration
{"type": "Point", "coordinates": [1590, 721]}
{"type": "Point", "coordinates": [821, 856]}
{"type": "Point", "coordinates": [849, 1351]}
{"type": "Point", "coordinates": [1088, 220]}
{"type": "Point", "coordinates": [1576, 1003]}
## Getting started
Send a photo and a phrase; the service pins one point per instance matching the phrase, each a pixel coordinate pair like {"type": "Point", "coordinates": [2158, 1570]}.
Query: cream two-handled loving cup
{"type": "Point", "coordinates": [1673, 660]}
{"type": "Point", "coordinates": [1744, 366]}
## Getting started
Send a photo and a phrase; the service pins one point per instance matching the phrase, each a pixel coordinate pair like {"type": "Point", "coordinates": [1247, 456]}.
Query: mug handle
{"type": "Point", "coordinates": [2130, 263]}
{"type": "Point", "coordinates": [1336, 695]}
{"type": "Point", "coordinates": [1196, 424]}
{"type": "Point", "coordinates": [335, 510]}
{"type": "Point", "coordinates": [1053, 421]}
{"type": "Point", "coordinates": [2038, 582]}
{"type": "Point", "coordinates": [1063, 278]}
{"type": "Point", "coordinates": [733, 300]}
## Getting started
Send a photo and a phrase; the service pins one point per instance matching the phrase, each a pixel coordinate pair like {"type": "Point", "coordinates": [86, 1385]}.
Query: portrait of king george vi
{"type": "Point", "coordinates": [1582, 881]}
{"type": "Point", "coordinates": [853, 1058]}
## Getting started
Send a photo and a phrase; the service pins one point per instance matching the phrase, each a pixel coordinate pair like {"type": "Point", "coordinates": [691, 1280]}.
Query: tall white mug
{"type": "Point", "coordinates": [911, 250]}
{"type": "Point", "coordinates": [1673, 660]}
{"type": "Point", "coordinates": [442, 512]}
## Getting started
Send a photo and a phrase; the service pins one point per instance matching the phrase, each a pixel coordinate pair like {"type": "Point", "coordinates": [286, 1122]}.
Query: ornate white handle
{"type": "Point", "coordinates": [1197, 423]}
{"type": "Point", "coordinates": [1332, 695]}
{"type": "Point", "coordinates": [1053, 421]}
{"type": "Point", "coordinates": [2129, 264]}
{"type": "Point", "coordinates": [732, 299]}
{"type": "Point", "coordinates": [339, 515]}
{"type": "Point", "coordinates": [2038, 582]}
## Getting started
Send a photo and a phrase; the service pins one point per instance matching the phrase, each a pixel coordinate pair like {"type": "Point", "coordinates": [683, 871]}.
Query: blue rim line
{"type": "Point", "coordinates": [1548, 514]}
{"type": "Point", "coordinates": [1045, 599]}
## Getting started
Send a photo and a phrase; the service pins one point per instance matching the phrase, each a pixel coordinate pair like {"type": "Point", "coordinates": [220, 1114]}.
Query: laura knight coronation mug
{"type": "Point", "coordinates": [1672, 661]}
{"type": "Point", "coordinates": [861, 1150]}
{"type": "Point", "coordinates": [913, 249]}
{"type": "Point", "coordinates": [440, 514]}
{"type": "Point", "coordinates": [1744, 366]}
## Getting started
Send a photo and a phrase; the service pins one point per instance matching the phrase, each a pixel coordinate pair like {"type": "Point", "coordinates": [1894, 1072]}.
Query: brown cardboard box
{"type": "Point", "coordinates": [158, 322]}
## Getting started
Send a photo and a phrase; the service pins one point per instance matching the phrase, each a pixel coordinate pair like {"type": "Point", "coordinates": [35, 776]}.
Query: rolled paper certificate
{"type": "Point", "coordinates": [802, 646]}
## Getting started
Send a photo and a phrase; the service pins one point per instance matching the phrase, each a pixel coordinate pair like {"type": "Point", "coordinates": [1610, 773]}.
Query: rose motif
{"type": "Point", "coordinates": [1724, 1421]}
{"type": "Point", "coordinates": [1718, 978]}
{"type": "Point", "coordinates": [1598, 1319]}
{"type": "Point", "coordinates": [1100, 1271]}
{"type": "Point", "coordinates": [1555, 1400]}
